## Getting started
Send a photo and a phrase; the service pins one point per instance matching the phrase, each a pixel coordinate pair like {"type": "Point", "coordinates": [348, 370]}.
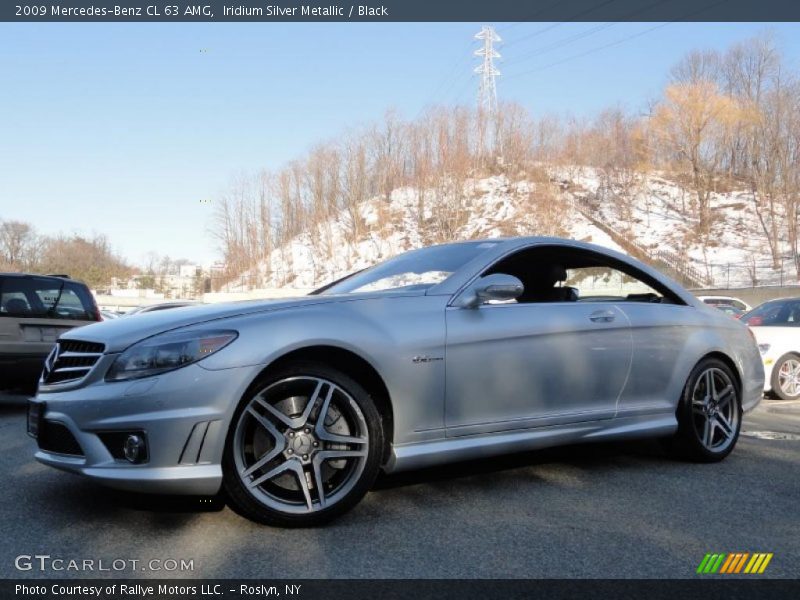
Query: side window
{"type": "Point", "coordinates": [563, 274]}
{"type": "Point", "coordinates": [14, 303]}
{"type": "Point", "coordinates": [605, 283]}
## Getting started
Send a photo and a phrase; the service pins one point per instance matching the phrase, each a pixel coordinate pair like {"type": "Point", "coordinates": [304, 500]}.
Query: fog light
{"type": "Point", "coordinates": [134, 448]}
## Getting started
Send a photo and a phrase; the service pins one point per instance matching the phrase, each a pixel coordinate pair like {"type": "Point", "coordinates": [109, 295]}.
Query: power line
{"type": "Point", "coordinates": [614, 43]}
{"type": "Point", "coordinates": [559, 24]}
{"type": "Point", "coordinates": [584, 34]}
{"type": "Point", "coordinates": [560, 43]}
{"type": "Point", "coordinates": [453, 74]}
{"type": "Point", "coordinates": [530, 17]}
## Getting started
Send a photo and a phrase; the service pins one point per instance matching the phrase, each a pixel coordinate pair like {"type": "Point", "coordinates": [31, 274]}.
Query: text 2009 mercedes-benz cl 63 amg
{"type": "Point", "coordinates": [442, 354]}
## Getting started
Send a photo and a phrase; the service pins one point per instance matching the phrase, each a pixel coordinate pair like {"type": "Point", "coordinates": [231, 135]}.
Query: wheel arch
{"type": "Point", "coordinates": [354, 366]}
{"type": "Point", "coordinates": [725, 358]}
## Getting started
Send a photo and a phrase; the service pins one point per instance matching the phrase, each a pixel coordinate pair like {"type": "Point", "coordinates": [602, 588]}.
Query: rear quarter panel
{"type": "Point", "coordinates": [666, 352]}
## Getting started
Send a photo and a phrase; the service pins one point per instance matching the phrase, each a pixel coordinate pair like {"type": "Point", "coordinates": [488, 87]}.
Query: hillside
{"type": "Point", "coordinates": [644, 216]}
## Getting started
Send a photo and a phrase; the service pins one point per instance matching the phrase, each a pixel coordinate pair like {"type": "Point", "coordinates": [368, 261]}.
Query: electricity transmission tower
{"type": "Point", "coordinates": [487, 92]}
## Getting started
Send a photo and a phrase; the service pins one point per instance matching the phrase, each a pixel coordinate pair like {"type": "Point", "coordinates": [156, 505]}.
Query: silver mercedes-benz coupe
{"type": "Point", "coordinates": [447, 353]}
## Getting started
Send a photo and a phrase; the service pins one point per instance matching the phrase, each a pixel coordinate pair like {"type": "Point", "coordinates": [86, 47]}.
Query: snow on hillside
{"type": "Point", "coordinates": [654, 214]}
{"type": "Point", "coordinates": [648, 215]}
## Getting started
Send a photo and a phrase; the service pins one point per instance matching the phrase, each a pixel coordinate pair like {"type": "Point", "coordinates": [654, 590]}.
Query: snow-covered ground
{"type": "Point", "coordinates": [649, 214]}
{"type": "Point", "coordinates": [654, 213]}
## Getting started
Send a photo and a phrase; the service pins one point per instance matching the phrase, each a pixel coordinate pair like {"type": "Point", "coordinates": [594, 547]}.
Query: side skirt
{"type": "Point", "coordinates": [428, 454]}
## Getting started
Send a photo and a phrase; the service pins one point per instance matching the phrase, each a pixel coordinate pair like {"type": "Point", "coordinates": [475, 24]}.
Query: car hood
{"type": "Point", "coordinates": [120, 333]}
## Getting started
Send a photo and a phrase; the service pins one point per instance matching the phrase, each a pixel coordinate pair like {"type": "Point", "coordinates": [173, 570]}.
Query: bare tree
{"type": "Point", "coordinates": [693, 121]}
{"type": "Point", "coordinates": [20, 246]}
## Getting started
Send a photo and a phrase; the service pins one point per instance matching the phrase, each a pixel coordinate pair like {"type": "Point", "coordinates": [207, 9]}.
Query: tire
{"type": "Point", "coordinates": [285, 466]}
{"type": "Point", "coordinates": [708, 424]}
{"type": "Point", "coordinates": [785, 378]}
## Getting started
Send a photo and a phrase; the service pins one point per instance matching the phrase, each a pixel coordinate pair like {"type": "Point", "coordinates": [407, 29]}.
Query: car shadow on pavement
{"type": "Point", "coordinates": [71, 491]}
{"type": "Point", "coordinates": [155, 503]}
{"type": "Point", "coordinates": [581, 455]}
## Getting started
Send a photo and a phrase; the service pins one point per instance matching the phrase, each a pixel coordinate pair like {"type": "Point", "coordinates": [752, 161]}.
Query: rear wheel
{"type": "Point", "coordinates": [709, 414]}
{"type": "Point", "coordinates": [786, 377]}
{"type": "Point", "coordinates": [304, 447]}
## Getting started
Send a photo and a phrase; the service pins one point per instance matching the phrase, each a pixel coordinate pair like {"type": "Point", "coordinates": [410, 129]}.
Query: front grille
{"type": "Point", "coordinates": [81, 347]}
{"type": "Point", "coordinates": [55, 437]}
{"type": "Point", "coordinates": [71, 360]}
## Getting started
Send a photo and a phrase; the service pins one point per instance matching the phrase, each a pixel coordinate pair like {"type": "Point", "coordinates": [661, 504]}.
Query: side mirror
{"type": "Point", "coordinates": [497, 286]}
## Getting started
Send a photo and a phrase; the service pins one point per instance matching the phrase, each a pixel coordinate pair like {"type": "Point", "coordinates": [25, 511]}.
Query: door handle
{"type": "Point", "coordinates": [603, 316]}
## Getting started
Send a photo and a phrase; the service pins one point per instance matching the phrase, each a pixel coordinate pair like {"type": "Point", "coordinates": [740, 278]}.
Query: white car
{"type": "Point", "coordinates": [726, 301]}
{"type": "Point", "coordinates": [776, 325]}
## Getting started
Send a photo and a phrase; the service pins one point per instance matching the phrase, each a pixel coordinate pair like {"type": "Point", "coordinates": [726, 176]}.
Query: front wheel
{"type": "Point", "coordinates": [709, 414]}
{"type": "Point", "coordinates": [786, 377]}
{"type": "Point", "coordinates": [304, 446]}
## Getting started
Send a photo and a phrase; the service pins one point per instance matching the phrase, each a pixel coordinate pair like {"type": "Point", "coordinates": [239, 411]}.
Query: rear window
{"type": "Point", "coordinates": [41, 297]}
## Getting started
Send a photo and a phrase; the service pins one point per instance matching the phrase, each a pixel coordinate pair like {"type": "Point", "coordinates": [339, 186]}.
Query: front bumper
{"type": "Point", "coordinates": [184, 415]}
{"type": "Point", "coordinates": [769, 364]}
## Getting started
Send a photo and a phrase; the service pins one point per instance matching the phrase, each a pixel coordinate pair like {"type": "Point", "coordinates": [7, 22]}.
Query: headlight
{"type": "Point", "coordinates": [763, 348]}
{"type": "Point", "coordinates": [167, 352]}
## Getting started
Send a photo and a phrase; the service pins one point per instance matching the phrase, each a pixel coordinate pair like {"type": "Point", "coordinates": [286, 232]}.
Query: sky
{"type": "Point", "coordinates": [133, 130]}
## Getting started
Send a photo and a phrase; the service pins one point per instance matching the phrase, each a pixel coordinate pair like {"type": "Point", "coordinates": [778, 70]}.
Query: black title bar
{"type": "Point", "coordinates": [400, 10]}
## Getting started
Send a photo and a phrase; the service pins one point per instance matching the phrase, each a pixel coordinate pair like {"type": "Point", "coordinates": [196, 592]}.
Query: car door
{"type": "Point", "coordinates": [520, 365]}
{"type": "Point", "coordinates": [660, 326]}
{"type": "Point", "coordinates": [660, 335]}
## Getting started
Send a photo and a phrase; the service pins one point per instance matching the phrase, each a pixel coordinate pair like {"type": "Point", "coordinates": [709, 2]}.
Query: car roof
{"type": "Point", "coordinates": [39, 276]}
{"type": "Point", "coordinates": [786, 299]}
{"type": "Point", "coordinates": [176, 303]}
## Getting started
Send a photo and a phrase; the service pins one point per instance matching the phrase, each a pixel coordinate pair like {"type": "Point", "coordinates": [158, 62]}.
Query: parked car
{"type": "Point", "coordinates": [139, 310]}
{"type": "Point", "coordinates": [776, 325]}
{"type": "Point", "coordinates": [34, 311]}
{"type": "Point", "coordinates": [443, 354]}
{"type": "Point", "coordinates": [726, 301]}
{"type": "Point", "coordinates": [107, 315]}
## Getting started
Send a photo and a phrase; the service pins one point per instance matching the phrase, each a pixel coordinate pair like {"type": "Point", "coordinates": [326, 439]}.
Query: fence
{"type": "Point", "coordinates": [753, 274]}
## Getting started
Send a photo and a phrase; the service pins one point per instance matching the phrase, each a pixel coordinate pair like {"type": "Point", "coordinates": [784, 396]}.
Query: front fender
{"type": "Point", "coordinates": [388, 333]}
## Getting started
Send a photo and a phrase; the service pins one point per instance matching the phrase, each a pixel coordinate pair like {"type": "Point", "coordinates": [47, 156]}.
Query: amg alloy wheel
{"type": "Point", "coordinates": [786, 377]}
{"type": "Point", "coordinates": [304, 447]}
{"type": "Point", "coordinates": [709, 414]}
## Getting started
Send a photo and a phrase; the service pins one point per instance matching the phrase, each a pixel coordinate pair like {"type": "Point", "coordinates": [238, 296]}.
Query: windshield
{"type": "Point", "coordinates": [413, 271]}
{"type": "Point", "coordinates": [42, 297]}
{"type": "Point", "coordinates": [778, 313]}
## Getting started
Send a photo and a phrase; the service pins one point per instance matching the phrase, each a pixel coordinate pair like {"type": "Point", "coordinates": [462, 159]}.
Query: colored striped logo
{"type": "Point", "coordinates": [735, 562]}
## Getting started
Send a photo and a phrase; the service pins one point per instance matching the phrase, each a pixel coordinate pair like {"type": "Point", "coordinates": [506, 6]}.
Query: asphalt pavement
{"type": "Point", "coordinates": [604, 510]}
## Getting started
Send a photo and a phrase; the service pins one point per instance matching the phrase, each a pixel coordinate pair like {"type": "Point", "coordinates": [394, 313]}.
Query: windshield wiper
{"type": "Point", "coordinates": [52, 310]}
